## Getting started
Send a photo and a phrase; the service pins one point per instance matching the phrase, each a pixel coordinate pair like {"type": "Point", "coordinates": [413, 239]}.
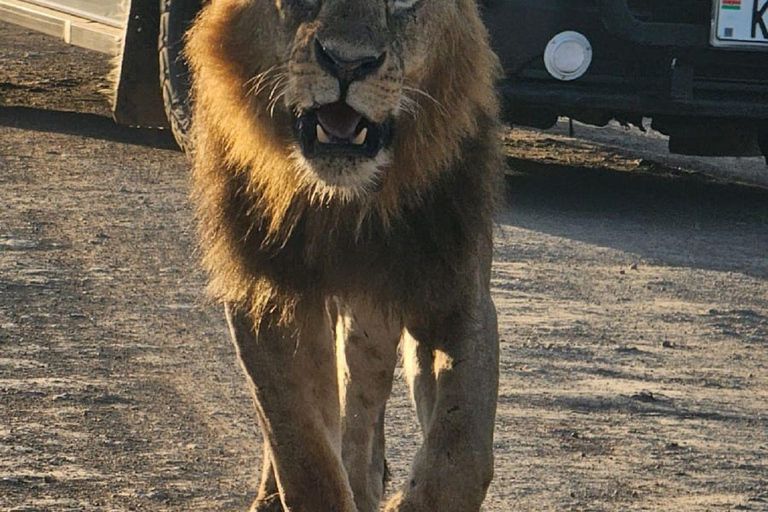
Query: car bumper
{"type": "Point", "coordinates": [642, 65]}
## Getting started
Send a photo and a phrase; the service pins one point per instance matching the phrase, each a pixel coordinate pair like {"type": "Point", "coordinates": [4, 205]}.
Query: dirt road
{"type": "Point", "coordinates": [633, 301]}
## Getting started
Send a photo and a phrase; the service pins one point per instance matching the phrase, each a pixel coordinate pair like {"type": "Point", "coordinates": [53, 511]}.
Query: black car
{"type": "Point", "coordinates": [698, 68]}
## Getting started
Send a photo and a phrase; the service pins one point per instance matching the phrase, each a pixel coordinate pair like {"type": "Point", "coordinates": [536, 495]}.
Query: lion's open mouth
{"type": "Point", "coordinates": [338, 129]}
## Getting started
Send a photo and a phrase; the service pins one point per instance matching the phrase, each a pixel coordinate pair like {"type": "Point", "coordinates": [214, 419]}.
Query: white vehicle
{"type": "Point", "coordinates": [145, 38]}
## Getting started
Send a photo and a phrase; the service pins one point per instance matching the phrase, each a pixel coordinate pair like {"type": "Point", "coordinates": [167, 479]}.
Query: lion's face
{"type": "Point", "coordinates": [346, 71]}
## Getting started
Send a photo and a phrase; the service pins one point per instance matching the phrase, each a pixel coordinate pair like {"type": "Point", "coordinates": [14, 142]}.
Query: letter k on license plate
{"type": "Point", "coordinates": [740, 24]}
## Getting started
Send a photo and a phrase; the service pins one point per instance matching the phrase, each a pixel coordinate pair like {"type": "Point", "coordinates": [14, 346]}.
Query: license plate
{"type": "Point", "coordinates": [740, 24]}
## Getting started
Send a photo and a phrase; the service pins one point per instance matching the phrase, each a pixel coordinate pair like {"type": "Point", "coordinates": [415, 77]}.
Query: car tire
{"type": "Point", "coordinates": [175, 18]}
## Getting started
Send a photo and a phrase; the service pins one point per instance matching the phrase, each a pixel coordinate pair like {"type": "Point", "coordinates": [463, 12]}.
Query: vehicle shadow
{"type": "Point", "coordinates": [661, 215]}
{"type": "Point", "coordinates": [85, 125]}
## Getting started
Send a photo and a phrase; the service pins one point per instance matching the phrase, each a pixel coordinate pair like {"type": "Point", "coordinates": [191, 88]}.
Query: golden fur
{"type": "Point", "coordinates": [299, 248]}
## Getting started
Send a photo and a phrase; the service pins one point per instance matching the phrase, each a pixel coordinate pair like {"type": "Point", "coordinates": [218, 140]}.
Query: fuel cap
{"type": "Point", "coordinates": [568, 55]}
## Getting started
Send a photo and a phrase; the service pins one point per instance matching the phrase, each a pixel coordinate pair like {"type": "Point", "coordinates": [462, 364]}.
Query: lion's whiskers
{"type": "Point", "coordinates": [278, 92]}
{"type": "Point", "coordinates": [273, 84]}
{"type": "Point", "coordinates": [264, 74]}
{"type": "Point", "coordinates": [440, 107]}
{"type": "Point", "coordinates": [280, 80]}
{"type": "Point", "coordinates": [260, 82]}
{"type": "Point", "coordinates": [410, 106]}
{"type": "Point", "coordinates": [257, 81]}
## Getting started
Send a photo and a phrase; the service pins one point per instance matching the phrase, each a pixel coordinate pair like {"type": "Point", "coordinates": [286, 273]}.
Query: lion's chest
{"type": "Point", "coordinates": [331, 254]}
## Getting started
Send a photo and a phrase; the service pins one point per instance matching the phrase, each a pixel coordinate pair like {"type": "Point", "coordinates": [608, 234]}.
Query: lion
{"type": "Point", "coordinates": [347, 167]}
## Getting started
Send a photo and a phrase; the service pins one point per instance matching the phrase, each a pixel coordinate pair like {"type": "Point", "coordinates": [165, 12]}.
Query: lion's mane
{"type": "Point", "coordinates": [269, 240]}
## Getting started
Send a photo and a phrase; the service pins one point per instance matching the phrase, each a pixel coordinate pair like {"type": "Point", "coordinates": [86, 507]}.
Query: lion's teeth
{"type": "Point", "coordinates": [360, 139]}
{"type": "Point", "coordinates": [322, 137]}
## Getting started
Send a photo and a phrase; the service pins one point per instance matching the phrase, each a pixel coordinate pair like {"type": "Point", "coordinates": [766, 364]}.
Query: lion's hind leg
{"type": "Point", "coordinates": [268, 497]}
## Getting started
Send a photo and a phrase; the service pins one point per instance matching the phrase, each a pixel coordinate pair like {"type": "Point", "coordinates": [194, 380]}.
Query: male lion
{"type": "Point", "coordinates": [346, 168]}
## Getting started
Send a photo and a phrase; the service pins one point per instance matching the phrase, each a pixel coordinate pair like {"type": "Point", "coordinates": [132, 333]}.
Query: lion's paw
{"type": "Point", "coordinates": [269, 504]}
{"type": "Point", "coordinates": [398, 503]}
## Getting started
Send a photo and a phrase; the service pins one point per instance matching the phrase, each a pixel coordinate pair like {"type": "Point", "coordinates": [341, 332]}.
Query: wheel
{"type": "Point", "coordinates": [175, 18]}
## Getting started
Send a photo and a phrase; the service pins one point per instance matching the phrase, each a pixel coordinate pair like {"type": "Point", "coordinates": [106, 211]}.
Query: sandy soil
{"type": "Point", "coordinates": [633, 299]}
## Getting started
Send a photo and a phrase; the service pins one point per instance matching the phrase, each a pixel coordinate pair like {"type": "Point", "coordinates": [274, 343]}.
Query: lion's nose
{"type": "Point", "coordinates": [347, 70]}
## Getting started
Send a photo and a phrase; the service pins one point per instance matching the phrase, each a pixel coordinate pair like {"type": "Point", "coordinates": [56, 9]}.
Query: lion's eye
{"type": "Point", "coordinates": [398, 6]}
{"type": "Point", "coordinates": [301, 5]}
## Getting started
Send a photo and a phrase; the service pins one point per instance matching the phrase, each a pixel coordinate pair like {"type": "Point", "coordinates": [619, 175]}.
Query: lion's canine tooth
{"type": "Point", "coordinates": [360, 139]}
{"type": "Point", "coordinates": [322, 137]}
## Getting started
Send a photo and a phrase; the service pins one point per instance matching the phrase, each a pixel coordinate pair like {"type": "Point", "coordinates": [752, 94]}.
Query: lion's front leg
{"type": "Point", "coordinates": [292, 372]}
{"type": "Point", "coordinates": [452, 365]}
{"type": "Point", "coordinates": [366, 351]}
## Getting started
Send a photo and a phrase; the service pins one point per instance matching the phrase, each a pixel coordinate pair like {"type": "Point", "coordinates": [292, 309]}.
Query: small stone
{"type": "Point", "coordinates": [158, 494]}
{"type": "Point", "coordinates": [644, 396]}
{"type": "Point", "coordinates": [17, 244]}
